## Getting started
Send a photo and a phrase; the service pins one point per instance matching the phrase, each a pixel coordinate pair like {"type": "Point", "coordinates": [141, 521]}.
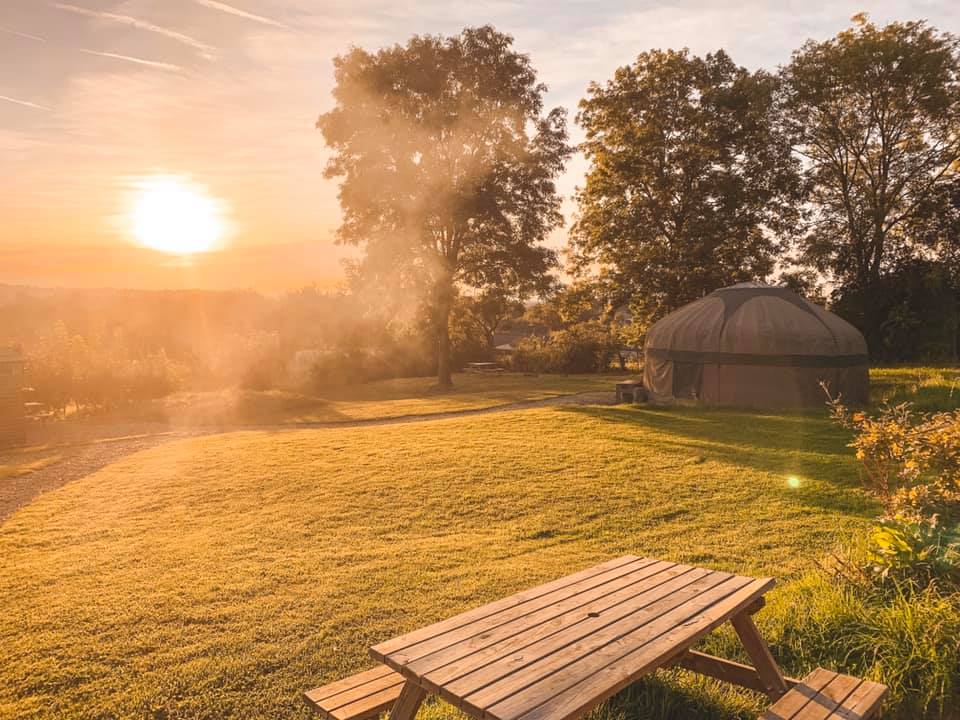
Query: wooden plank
{"type": "Point", "coordinates": [381, 650]}
{"type": "Point", "coordinates": [523, 684]}
{"type": "Point", "coordinates": [406, 706]}
{"type": "Point", "coordinates": [610, 670]}
{"type": "Point", "coordinates": [371, 705]}
{"type": "Point", "coordinates": [514, 634]}
{"type": "Point", "coordinates": [830, 697]}
{"type": "Point", "coordinates": [793, 702]}
{"type": "Point", "coordinates": [391, 682]}
{"type": "Point", "coordinates": [511, 672]}
{"type": "Point", "coordinates": [486, 630]}
{"type": "Point", "coordinates": [725, 670]}
{"type": "Point", "coordinates": [321, 693]}
{"type": "Point", "coordinates": [756, 647]}
{"type": "Point", "coordinates": [862, 702]}
{"type": "Point", "coordinates": [826, 695]}
{"type": "Point", "coordinates": [456, 678]}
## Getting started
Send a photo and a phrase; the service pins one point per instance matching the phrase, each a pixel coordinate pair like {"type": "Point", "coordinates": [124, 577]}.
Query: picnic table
{"type": "Point", "coordinates": [484, 367]}
{"type": "Point", "coordinates": [558, 650]}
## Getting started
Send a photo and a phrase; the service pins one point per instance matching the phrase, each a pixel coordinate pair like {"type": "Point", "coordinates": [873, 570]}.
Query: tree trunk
{"type": "Point", "coordinates": [444, 375]}
{"type": "Point", "coordinates": [444, 294]}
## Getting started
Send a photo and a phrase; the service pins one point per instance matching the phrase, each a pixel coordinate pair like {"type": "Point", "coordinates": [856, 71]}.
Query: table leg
{"type": "Point", "coordinates": [759, 653]}
{"type": "Point", "coordinates": [406, 706]}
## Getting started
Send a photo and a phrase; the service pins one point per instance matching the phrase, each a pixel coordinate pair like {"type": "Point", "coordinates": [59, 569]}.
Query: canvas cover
{"type": "Point", "coordinates": [754, 345]}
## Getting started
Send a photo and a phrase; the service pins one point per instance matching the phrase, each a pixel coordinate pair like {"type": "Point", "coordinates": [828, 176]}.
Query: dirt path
{"type": "Point", "coordinates": [79, 459]}
{"type": "Point", "coordinates": [588, 398]}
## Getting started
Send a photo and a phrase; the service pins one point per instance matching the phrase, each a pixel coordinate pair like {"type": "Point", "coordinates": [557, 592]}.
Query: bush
{"type": "Point", "coordinates": [581, 348]}
{"type": "Point", "coordinates": [915, 553]}
{"type": "Point", "coordinates": [910, 460]}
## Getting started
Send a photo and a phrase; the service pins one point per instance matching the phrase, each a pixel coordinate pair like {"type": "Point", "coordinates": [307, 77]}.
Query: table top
{"type": "Point", "coordinates": [557, 650]}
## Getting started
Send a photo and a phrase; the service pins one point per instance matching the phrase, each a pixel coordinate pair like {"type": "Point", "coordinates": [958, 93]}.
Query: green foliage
{"type": "Point", "coordinates": [581, 348]}
{"type": "Point", "coordinates": [874, 112]}
{"type": "Point", "coordinates": [476, 318]}
{"type": "Point", "coordinates": [447, 164]}
{"type": "Point", "coordinates": [98, 372]}
{"type": "Point", "coordinates": [688, 175]}
{"type": "Point", "coordinates": [917, 308]}
{"type": "Point", "coordinates": [910, 460]}
{"type": "Point", "coordinates": [916, 552]}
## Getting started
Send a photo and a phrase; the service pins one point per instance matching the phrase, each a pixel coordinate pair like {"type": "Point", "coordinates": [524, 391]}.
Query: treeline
{"type": "Point", "coordinates": [837, 174]}
{"type": "Point", "coordinates": [92, 350]}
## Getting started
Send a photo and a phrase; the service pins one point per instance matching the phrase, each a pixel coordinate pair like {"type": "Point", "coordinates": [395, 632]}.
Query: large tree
{"type": "Point", "coordinates": [690, 181]}
{"type": "Point", "coordinates": [447, 162]}
{"type": "Point", "coordinates": [875, 114]}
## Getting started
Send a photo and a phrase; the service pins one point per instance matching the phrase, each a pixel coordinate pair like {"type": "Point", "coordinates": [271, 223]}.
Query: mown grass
{"type": "Point", "coordinates": [218, 577]}
{"type": "Point", "coordinates": [399, 397]}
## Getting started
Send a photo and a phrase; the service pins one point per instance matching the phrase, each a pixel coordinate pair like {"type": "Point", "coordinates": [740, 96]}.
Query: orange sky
{"type": "Point", "coordinates": [96, 95]}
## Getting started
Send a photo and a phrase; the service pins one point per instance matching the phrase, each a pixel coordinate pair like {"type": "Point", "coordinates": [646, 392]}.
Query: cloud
{"type": "Point", "coordinates": [139, 61]}
{"type": "Point", "coordinates": [25, 103]}
{"type": "Point", "coordinates": [28, 36]}
{"type": "Point", "coordinates": [206, 50]}
{"type": "Point", "coordinates": [230, 10]}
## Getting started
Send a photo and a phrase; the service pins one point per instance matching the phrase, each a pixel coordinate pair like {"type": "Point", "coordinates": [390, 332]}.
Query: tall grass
{"type": "Point", "coordinates": [926, 388]}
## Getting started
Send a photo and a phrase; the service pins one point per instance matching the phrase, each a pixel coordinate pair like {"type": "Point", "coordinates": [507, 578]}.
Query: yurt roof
{"type": "Point", "coordinates": [757, 319]}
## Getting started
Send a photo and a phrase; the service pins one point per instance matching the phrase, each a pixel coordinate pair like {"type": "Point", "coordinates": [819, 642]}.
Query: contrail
{"type": "Point", "coordinates": [139, 61]}
{"type": "Point", "coordinates": [208, 50]}
{"type": "Point", "coordinates": [25, 103]}
{"type": "Point", "coordinates": [28, 36]}
{"type": "Point", "coordinates": [223, 7]}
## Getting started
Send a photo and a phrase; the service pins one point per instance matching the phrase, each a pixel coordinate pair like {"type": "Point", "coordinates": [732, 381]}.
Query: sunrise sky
{"type": "Point", "coordinates": [107, 105]}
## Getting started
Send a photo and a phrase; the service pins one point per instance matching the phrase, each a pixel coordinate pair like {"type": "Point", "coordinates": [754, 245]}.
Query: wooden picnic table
{"type": "Point", "coordinates": [557, 650]}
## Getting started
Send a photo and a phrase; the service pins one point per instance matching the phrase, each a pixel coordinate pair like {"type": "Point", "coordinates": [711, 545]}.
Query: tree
{"type": "Point", "coordinates": [935, 226]}
{"type": "Point", "coordinates": [491, 307]}
{"type": "Point", "coordinates": [875, 113]}
{"type": "Point", "coordinates": [689, 176]}
{"type": "Point", "coordinates": [918, 304]}
{"type": "Point", "coordinates": [447, 163]}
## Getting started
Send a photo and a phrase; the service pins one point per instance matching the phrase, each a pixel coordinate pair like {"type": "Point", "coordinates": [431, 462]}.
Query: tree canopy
{"type": "Point", "coordinates": [447, 163]}
{"type": "Point", "coordinates": [690, 182]}
{"type": "Point", "coordinates": [875, 114]}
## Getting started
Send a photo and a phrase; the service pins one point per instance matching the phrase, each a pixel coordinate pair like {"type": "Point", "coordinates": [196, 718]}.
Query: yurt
{"type": "Point", "coordinates": [754, 345]}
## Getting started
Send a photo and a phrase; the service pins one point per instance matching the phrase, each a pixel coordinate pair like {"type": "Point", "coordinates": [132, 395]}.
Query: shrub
{"type": "Point", "coordinates": [912, 552]}
{"type": "Point", "coordinates": [581, 348]}
{"type": "Point", "coordinates": [910, 460]}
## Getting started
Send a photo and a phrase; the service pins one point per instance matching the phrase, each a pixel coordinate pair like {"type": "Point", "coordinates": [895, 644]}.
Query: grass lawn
{"type": "Point", "coordinates": [384, 399]}
{"type": "Point", "coordinates": [927, 388]}
{"type": "Point", "coordinates": [222, 575]}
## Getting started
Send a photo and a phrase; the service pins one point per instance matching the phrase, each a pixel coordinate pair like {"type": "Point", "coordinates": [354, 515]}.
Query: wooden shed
{"type": "Point", "coordinates": [13, 424]}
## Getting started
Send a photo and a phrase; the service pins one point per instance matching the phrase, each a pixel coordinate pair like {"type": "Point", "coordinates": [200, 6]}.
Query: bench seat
{"type": "Point", "coordinates": [826, 695]}
{"type": "Point", "coordinates": [358, 697]}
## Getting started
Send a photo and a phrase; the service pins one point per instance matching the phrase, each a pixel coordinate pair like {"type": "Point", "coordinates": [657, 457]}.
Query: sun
{"type": "Point", "coordinates": [172, 214]}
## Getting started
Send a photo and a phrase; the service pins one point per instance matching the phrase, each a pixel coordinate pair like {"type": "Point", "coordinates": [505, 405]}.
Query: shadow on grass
{"type": "Point", "coordinates": [804, 446]}
{"type": "Point", "coordinates": [678, 696]}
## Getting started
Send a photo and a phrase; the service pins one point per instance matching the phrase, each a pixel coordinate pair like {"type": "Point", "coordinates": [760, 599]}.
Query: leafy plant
{"type": "Point", "coordinates": [914, 552]}
{"type": "Point", "coordinates": [910, 460]}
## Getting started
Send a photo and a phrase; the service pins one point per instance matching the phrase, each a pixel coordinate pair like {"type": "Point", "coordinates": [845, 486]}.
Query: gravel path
{"type": "Point", "coordinates": [79, 459]}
